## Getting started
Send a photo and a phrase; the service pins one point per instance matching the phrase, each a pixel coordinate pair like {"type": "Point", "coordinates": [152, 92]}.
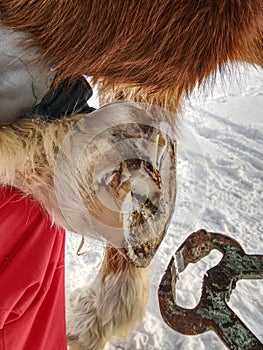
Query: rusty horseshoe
{"type": "Point", "coordinates": [212, 311]}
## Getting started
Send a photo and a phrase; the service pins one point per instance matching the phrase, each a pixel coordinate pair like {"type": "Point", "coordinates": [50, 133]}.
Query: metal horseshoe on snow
{"type": "Point", "coordinates": [212, 311]}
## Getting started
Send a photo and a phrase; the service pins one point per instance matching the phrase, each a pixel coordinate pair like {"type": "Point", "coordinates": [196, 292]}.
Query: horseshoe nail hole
{"type": "Point", "coordinates": [247, 302]}
{"type": "Point", "coordinates": [189, 284]}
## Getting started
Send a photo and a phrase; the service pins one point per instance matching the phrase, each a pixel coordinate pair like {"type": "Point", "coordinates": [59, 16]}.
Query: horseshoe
{"type": "Point", "coordinates": [212, 311]}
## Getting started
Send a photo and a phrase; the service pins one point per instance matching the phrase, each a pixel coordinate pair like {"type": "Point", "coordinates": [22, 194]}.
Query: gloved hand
{"type": "Point", "coordinates": [64, 100]}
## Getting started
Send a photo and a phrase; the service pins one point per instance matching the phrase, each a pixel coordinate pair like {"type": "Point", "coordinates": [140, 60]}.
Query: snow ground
{"type": "Point", "coordinates": [220, 185]}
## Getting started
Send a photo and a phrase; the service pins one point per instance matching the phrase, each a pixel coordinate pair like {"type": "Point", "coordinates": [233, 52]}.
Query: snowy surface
{"type": "Point", "coordinates": [220, 186]}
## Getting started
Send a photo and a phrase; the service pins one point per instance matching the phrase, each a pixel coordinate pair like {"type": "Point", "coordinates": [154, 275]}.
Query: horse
{"type": "Point", "coordinates": [153, 52]}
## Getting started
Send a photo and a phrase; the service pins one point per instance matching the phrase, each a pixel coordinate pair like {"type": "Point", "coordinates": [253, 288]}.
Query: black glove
{"type": "Point", "coordinates": [64, 100]}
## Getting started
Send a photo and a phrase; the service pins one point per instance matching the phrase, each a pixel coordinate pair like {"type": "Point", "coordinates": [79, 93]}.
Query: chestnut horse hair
{"type": "Point", "coordinates": [160, 48]}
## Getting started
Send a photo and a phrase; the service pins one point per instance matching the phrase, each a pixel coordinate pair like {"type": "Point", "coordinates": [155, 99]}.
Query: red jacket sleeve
{"type": "Point", "coordinates": [28, 254]}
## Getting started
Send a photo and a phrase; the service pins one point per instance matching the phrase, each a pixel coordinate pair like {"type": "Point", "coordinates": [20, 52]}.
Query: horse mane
{"type": "Point", "coordinates": [160, 48]}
